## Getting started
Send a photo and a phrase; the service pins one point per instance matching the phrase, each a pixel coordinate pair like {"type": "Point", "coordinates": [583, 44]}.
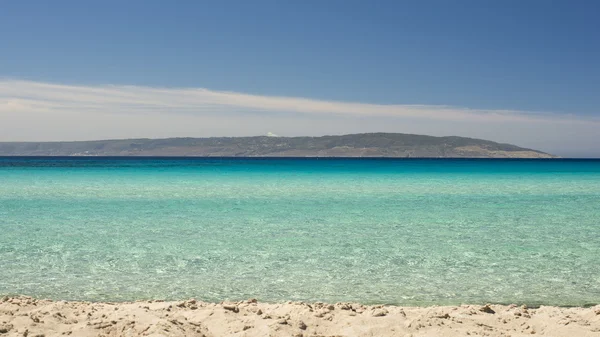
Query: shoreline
{"type": "Point", "coordinates": [534, 305]}
{"type": "Point", "coordinates": [27, 316]}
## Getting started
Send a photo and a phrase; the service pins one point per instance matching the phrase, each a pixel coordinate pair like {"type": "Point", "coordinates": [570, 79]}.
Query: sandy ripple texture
{"type": "Point", "coordinates": [29, 317]}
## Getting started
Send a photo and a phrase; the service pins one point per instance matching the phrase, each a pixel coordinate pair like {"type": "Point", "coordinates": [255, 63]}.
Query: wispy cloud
{"type": "Point", "coordinates": [127, 111]}
{"type": "Point", "coordinates": [47, 97]}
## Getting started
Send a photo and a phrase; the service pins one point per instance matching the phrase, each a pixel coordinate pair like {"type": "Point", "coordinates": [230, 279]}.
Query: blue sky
{"type": "Point", "coordinates": [525, 56]}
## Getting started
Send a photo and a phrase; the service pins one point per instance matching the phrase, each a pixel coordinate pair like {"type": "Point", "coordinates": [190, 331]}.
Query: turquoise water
{"type": "Point", "coordinates": [410, 232]}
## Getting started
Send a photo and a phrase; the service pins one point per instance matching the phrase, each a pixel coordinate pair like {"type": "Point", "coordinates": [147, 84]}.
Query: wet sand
{"type": "Point", "coordinates": [26, 316]}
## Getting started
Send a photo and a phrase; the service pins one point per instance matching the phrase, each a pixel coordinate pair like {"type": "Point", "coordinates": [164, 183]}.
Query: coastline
{"type": "Point", "coordinates": [27, 316]}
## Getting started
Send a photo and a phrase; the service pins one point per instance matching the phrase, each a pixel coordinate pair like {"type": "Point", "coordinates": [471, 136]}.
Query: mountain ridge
{"type": "Point", "coordinates": [392, 145]}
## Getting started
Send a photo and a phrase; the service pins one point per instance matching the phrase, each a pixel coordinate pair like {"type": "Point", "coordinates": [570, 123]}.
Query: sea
{"type": "Point", "coordinates": [413, 232]}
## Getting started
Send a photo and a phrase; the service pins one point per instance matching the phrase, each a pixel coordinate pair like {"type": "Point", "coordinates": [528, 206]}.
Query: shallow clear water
{"type": "Point", "coordinates": [410, 232]}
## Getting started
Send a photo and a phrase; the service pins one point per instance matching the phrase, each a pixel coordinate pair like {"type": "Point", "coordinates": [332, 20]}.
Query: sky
{"type": "Point", "coordinates": [521, 72]}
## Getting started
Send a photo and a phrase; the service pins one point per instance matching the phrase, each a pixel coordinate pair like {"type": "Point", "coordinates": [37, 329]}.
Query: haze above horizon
{"type": "Point", "coordinates": [524, 73]}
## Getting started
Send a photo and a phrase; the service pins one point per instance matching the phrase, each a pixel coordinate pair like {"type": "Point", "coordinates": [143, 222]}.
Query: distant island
{"type": "Point", "coordinates": [393, 145]}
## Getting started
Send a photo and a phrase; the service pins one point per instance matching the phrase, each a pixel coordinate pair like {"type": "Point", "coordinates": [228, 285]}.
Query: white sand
{"type": "Point", "coordinates": [25, 316]}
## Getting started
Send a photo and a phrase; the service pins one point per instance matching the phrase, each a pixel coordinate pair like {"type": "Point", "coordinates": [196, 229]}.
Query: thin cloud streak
{"type": "Point", "coordinates": [24, 95]}
{"type": "Point", "coordinates": [48, 111]}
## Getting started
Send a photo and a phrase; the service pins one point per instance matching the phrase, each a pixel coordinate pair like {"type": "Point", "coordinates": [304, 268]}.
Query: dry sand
{"type": "Point", "coordinates": [25, 316]}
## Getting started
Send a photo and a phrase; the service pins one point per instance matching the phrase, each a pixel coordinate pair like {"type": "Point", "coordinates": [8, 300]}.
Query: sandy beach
{"type": "Point", "coordinates": [26, 316]}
